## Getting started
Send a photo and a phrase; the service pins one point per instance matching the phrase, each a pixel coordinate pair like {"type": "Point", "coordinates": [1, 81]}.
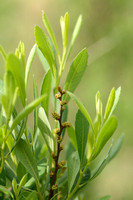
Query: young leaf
{"type": "Point", "coordinates": [27, 158]}
{"type": "Point", "coordinates": [75, 34]}
{"type": "Point", "coordinates": [44, 46]}
{"type": "Point", "coordinates": [32, 196]}
{"type": "Point", "coordinates": [76, 71]}
{"type": "Point", "coordinates": [22, 183]}
{"type": "Point", "coordinates": [50, 31]}
{"type": "Point", "coordinates": [110, 103]}
{"type": "Point", "coordinates": [81, 130]}
{"type": "Point", "coordinates": [20, 53]}
{"type": "Point", "coordinates": [82, 108]}
{"type": "Point", "coordinates": [3, 53]}
{"type": "Point", "coordinates": [45, 90]}
{"type": "Point", "coordinates": [64, 23]}
{"type": "Point", "coordinates": [29, 63]}
{"type": "Point", "coordinates": [36, 110]}
{"type": "Point", "coordinates": [46, 133]}
{"type": "Point", "coordinates": [28, 109]}
{"type": "Point", "coordinates": [15, 66]}
{"type": "Point", "coordinates": [106, 132]}
{"type": "Point", "coordinates": [73, 165]}
{"type": "Point", "coordinates": [44, 117]}
{"type": "Point", "coordinates": [43, 60]}
{"type": "Point", "coordinates": [98, 112]}
{"type": "Point", "coordinates": [72, 136]}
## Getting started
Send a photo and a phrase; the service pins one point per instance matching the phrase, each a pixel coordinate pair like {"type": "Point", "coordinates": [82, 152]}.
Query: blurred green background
{"type": "Point", "coordinates": [107, 32]}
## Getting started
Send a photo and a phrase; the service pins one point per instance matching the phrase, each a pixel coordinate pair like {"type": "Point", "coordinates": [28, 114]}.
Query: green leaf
{"type": "Point", "coordinates": [15, 66]}
{"type": "Point", "coordinates": [110, 103]}
{"type": "Point", "coordinates": [81, 130]}
{"type": "Point", "coordinates": [32, 196]}
{"type": "Point", "coordinates": [14, 185]}
{"type": "Point", "coordinates": [44, 46]}
{"type": "Point", "coordinates": [76, 71]}
{"type": "Point", "coordinates": [3, 53]}
{"type": "Point", "coordinates": [75, 34]}
{"type": "Point", "coordinates": [44, 117]}
{"type": "Point", "coordinates": [21, 171]}
{"type": "Point", "coordinates": [115, 149]}
{"type": "Point", "coordinates": [64, 23]}
{"type": "Point", "coordinates": [107, 197]}
{"type": "Point", "coordinates": [28, 109]}
{"type": "Point", "coordinates": [6, 191]}
{"type": "Point", "coordinates": [36, 110]}
{"type": "Point", "coordinates": [50, 31]}
{"type": "Point", "coordinates": [82, 108]}
{"type": "Point", "coordinates": [45, 89]}
{"type": "Point", "coordinates": [22, 182]}
{"type": "Point", "coordinates": [3, 177]}
{"type": "Point", "coordinates": [27, 158]}
{"type": "Point", "coordinates": [29, 63]}
{"type": "Point", "coordinates": [20, 53]}
{"type": "Point", "coordinates": [73, 165]}
{"type": "Point", "coordinates": [43, 60]}
{"type": "Point", "coordinates": [46, 133]}
{"type": "Point", "coordinates": [72, 136]}
{"type": "Point", "coordinates": [106, 132]}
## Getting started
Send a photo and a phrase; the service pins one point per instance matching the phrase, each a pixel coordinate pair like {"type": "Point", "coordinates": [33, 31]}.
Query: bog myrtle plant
{"type": "Point", "coordinates": [32, 165]}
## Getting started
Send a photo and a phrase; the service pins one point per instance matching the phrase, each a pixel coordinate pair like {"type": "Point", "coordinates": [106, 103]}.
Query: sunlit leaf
{"type": "Point", "coordinates": [6, 191]}
{"type": "Point", "coordinates": [76, 71]}
{"type": "Point", "coordinates": [72, 136]}
{"type": "Point", "coordinates": [81, 130]}
{"type": "Point", "coordinates": [29, 63]}
{"type": "Point", "coordinates": [64, 23]}
{"type": "Point", "coordinates": [20, 53]}
{"type": "Point", "coordinates": [36, 110]}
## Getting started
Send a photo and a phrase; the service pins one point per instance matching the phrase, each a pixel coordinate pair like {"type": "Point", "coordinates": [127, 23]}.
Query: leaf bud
{"type": "Point", "coordinates": [55, 116]}
{"type": "Point", "coordinates": [54, 187]}
{"type": "Point", "coordinates": [63, 91]}
{"type": "Point", "coordinates": [63, 102]}
{"type": "Point", "coordinates": [59, 139]}
{"type": "Point", "coordinates": [60, 148]}
{"type": "Point", "coordinates": [53, 155]}
{"type": "Point", "coordinates": [51, 174]}
{"type": "Point", "coordinates": [59, 89]}
{"type": "Point", "coordinates": [66, 124]}
{"type": "Point", "coordinates": [56, 131]}
{"type": "Point", "coordinates": [57, 96]}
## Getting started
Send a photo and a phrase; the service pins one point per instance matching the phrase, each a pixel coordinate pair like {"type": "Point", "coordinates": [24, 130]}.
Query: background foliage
{"type": "Point", "coordinates": [108, 34]}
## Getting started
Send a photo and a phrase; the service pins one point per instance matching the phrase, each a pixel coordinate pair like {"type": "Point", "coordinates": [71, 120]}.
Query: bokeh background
{"type": "Point", "coordinates": [107, 33]}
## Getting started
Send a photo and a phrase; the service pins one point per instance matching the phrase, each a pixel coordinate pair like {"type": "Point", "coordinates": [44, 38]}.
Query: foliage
{"type": "Point", "coordinates": [30, 164]}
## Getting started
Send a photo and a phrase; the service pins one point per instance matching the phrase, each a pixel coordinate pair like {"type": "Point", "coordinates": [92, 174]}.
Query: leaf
{"type": "Point", "coordinates": [72, 136]}
{"type": "Point", "coordinates": [50, 31]}
{"type": "Point", "coordinates": [76, 72]}
{"type": "Point", "coordinates": [45, 89]}
{"type": "Point", "coordinates": [3, 177]}
{"type": "Point", "coordinates": [27, 158]}
{"type": "Point", "coordinates": [15, 66]}
{"type": "Point", "coordinates": [73, 164]}
{"type": "Point", "coordinates": [28, 109]}
{"type": "Point", "coordinates": [44, 46]}
{"type": "Point", "coordinates": [21, 171]}
{"type": "Point", "coordinates": [20, 53]}
{"type": "Point", "coordinates": [110, 103]}
{"type": "Point", "coordinates": [106, 132]}
{"type": "Point", "coordinates": [22, 182]}
{"type": "Point", "coordinates": [9, 173]}
{"type": "Point", "coordinates": [82, 108]}
{"type": "Point", "coordinates": [81, 130]}
{"type": "Point", "coordinates": [3, 53]}
{"type": "Point", "coordinates": [43, 60]}
{"type": "Point", "coordinates": [86, 177]}
{"type": "Point", "coordinates": [32, 196]}
{"type": "Point", "coordinates": [36, 110]}
{"type": "Point", "coordinates": [44, 117]}
{"type": "Point", "coordinates": [115, 149]}
{"type": "Point", "coordinates": [5, 191]}
{"type": "Point", "coordinates": [75, 34]}
{"type": "Point", "coordinates": [29, 63]}
{"type": "Point", "coordinates": [46, 133]}
{"type": "Point", "coordinates": [107, 197]}
{"type": "Point", "coordinates": [98, 112]}
{"type": "Point", "coordinates": [64, 23]}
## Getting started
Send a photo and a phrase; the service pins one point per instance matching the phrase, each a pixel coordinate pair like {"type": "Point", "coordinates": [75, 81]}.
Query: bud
{"type": "Point", "coordinates": [56, 131]}
{"type": "Point", "coordinates": [62, 163]}
{"type": "Point", "coordinates": [53, 155]}
{"type": "Point", "coordinates": [59, 139]}
{"type": "Point", "coordinates": [59, 89]}
{"type": "Point", "coordinates": [62, 103]}
{"type": "Point", "coordinates": [64, 92]}
{"type": "Point", "coordinates": [55, 116]}
{"type": "Point", "coordinates": [51, 174]}
{"type": "Point", "coordinates": [58, 96]}
{"type": "Point", "coordinates": [63, 108]}
{"type": "Point", "coordinates": [66, 124]}
{"type": "Point", "coordinates": [60, 148]}
{"type": "Point", "coordinates": [54, 187]}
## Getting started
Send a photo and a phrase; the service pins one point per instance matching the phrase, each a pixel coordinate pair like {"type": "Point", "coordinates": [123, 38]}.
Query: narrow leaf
{"type": "Point", "coordinates": [104, 135]}
{"type": "Point", "coordinates": [5, 191]}
{"type": "Point", "coordinates": [27, 158]}
{"type": "Point", "coordinates": [3, 53]}
{"type": "Point", "coordinates": [29, 63]}
{"type": "Point", "coordinates": [76, 71]}
{"type": "Point", "coordinates": [15, 66]}
{"type": "Point", "coordinates": [45, 90]}
{"type": "Point", "coordinates": [44, 46]}
{"type": "Point", "coordinates": [28, 109]}
{"type": "Point", "coordinates": [32, 196]}
{"type": "Point", "coordinates": [72, 136]}
{"type": "Point", "coordinates": [81, 130]}
{"type": "Point", "coordinates": [36, 110]}
{"type": "Point", "coordinates": [73, 165]}
{"type": "Point", "coordinates": [64, 23]}
{"type": "Point", "coordinates": [43, 60]}
{"type": "Point", "coordinates": [50, 31]}
{"type": "Point", "coordinates": [82, 108]}
{"type": "Point", "coordinates": [110, 103]}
